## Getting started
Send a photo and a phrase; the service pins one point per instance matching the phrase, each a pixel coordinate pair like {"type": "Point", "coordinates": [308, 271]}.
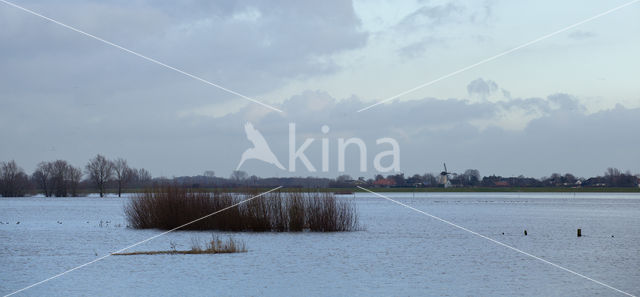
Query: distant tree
{"type": "Point", "coordinates": [417, 177]}
{"type": "Point", "coordinates": [415, 180]}
{"type": "Point", "coordinates": [143, 176]}
{"type": "Point", "coordinates": [74, 176]}
{"type": "Point", "coordinates": [239, 175]}
{"type": "Point", "coordinates": [555, 179]}
{"type": "Point", "coordinates": [615, 178]}
{"type": "Point", "coordinates": [122, 173]}
{"type": "Point", "coordinates": [490, 181]}
{"type": "Point", "coordinates": [100, 171]}
{"type": "Point", "coordinates": [13, 180]}
{"type": "Point", "coordinates": [58, 181]}
{"type": "Point", "coordinates": [42, 177]}
{"type": "Point", "coordinates": [209, 173]}
{"type": "Point", "coordinates": [57, 178]}
{"type": "Point", "coordinates": [398, 178]}
{"type": "Point", "coordinates": [569, 179]}
{"type": "Point", "coordinates": [344, 178]}
{"type": "Point", "coordinates": [470, 177]}
{"type": "Point", "coordinates": [612, 176]}
{"type": "Point", "coordinates": [254, 180]}
{"type": "Point", "coordinates": [429, 179]}
{"type": "Point", "coordinates": [612, 172]}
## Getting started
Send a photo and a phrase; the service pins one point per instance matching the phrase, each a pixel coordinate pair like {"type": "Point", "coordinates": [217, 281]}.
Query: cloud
{"type": "Point", "coordinates": [482, 88]}
{"type": "Point", "coordinates": [433, 25]}
{"type": "Point", "coordinates": [60, 89]}
{"type": "Point", "coordinates": [431, 15]}
{"type": "Point", "coordinates": [417, 49]}
{"type": "Point", "coordinates": [531, 136]}
{"type": "Point", "coordinates": [250, 46]}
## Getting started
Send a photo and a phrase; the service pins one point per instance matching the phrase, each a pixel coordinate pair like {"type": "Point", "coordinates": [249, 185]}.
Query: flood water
{"type": "Point", "coordinates": [399, 252]}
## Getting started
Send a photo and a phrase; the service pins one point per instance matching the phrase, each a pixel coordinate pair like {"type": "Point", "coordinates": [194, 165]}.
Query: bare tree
{"type": "Point", "coordinates": [74, 175]}
{"type": "Point", "coordinates": [209, 173]}
{"type": "Point", "coordinates": [429, 179]}
{"type": "Point", "coordinates": [614, 172]}
{"type": "Point", "coordinates": [13, 180]}
{"type": "Point", "coordinates": [42, 177]}
{"type": "Point", "coordinates": [143, 176]}
{"type": "Point", "coordinates": [122, 173]}
{"type": "Point", "coordinates": [470, 177]}
{"type": "Point", "coordinates": [254, 179]}
{"type": "Point", "coordinates": [100, 171]}
{"type": "Point", "coordinates": [58, 177]}
{"type": "Point", "coordinates": [239, 175]}
{"type": "Point", "coordinates": [612, 176]}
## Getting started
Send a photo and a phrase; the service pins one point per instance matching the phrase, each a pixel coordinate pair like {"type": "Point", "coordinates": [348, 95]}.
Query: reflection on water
{"type": "Point", "coordinates": [401, 252]}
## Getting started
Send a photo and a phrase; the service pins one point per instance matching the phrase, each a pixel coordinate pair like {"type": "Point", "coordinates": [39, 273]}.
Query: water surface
{"type": "Point", "coordinates": [400, 252]}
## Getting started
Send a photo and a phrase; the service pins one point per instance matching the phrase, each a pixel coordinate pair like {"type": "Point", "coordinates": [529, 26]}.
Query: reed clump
{"type": "Point", "coordinates": [170, 207]}
{"type": "Point", "coordinates": [214, 246]}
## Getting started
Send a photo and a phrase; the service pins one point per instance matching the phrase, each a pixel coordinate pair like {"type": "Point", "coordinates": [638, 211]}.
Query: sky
{"type": "Point", "coordinates": [568, 103]}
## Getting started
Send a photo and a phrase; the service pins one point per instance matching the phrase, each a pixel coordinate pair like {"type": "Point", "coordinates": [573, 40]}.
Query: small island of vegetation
{"type": "Point", "coordinates": [169, 207]}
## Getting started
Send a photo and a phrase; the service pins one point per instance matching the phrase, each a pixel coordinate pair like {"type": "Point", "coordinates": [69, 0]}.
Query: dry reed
{"type": "Point", "coordinates": [169, 207]}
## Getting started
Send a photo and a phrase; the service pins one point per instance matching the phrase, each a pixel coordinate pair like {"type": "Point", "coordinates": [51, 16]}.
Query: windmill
{"type": "Point", "coordinates": [444, 177]}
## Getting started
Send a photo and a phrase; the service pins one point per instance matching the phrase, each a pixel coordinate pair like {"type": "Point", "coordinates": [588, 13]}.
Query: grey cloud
{"type": "Point", "coordinates": [566, 102]}
{"type": "Point", "coordinates": [61, 89]}
{"type": "Point", "coordinates": [429, 131]}
{"type": "Point", "coordinates": [435, 18]}
{"type": "Point", "coordinates": [205, 38]}
{"type": "Point", "coordinates": [432, 15]}
{"type": "Point", "coordinates": [419, 48]}
{"type": "Point", "coordinates": [482, 88]}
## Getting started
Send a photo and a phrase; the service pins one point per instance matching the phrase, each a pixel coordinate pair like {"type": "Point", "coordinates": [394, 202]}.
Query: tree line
{"type": "Point", "coordinates": [468, 178]}
{"type": "Point", "coordinates": [60, 179]}
{"type": "Point", "coordinates": [612, 177]}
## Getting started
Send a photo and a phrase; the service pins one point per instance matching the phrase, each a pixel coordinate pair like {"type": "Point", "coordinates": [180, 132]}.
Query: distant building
{"type": "Point", "coordinates": [384, 182]}
{"type": "Point", "coordinates": [501, 183]}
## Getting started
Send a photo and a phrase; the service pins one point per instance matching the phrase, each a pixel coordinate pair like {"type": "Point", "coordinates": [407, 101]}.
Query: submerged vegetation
{"type": "Point", "coordinates": [170, 207]}
{"type": "Point", "coordinates": [214, 246]}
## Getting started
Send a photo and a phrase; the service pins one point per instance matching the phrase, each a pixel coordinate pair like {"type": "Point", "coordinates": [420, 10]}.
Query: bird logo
{"type": "Point", "coordinates": [260, 149]}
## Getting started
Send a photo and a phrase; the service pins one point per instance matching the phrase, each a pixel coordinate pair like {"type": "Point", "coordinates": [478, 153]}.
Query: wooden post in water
{"type": "Point", "coordinates": [579, 232]}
